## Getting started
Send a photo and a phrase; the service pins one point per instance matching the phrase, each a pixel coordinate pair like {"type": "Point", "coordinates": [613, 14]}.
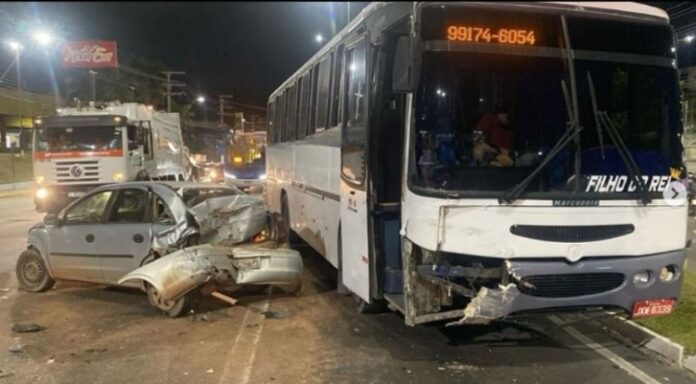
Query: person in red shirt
{"type": "Point", "coordinates": [494, 128]}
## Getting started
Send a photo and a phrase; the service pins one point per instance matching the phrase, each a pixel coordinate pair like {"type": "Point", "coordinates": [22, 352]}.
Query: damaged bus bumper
{"type": "Point", "coordinates": [521, 286]}
{"type": "Point", "coordinates": [182, 271]}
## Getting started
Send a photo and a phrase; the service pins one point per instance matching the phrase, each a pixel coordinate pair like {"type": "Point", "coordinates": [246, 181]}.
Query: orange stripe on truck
{"type": "Point", "coordinates": [73, 154]}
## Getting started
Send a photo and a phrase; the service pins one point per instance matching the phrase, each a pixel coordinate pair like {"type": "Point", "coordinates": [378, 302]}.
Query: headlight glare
{"type": "Point", "coordinates": [117, 176]}
{"type": "Point", "coordinates": [41, 193]}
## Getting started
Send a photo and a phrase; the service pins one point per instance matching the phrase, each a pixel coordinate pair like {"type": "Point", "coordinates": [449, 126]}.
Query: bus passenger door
{"type": "Point", "coordinates": [355, 262]}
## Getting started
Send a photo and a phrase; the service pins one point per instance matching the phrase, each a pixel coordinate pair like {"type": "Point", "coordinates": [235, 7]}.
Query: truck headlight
{"type": "Point", "coordinates": [41, 193]}
{"type": "Point", "coordinates": [117, 176]}
{"type": "Point", "coordinates": [39, 179]}
{"type": "Point", "coordinates": [212, 173]}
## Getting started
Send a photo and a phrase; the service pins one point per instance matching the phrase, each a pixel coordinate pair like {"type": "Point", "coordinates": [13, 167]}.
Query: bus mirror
{"type": "Point", "coordinates": [405, 69]}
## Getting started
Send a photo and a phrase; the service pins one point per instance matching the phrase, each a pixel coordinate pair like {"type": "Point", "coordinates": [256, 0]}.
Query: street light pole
{"type": "Point", "coordinates": [168, 86]}
{"type": "Point", "coordinates": [94, 85]}
{"type": "Point", "coordinates": [132, 92]}
{"type": "Point", "coordinates": [222, 108]}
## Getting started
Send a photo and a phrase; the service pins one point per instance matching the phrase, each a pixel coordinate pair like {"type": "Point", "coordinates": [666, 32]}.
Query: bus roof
{"type": "Point", "coordinates": [620, 7]}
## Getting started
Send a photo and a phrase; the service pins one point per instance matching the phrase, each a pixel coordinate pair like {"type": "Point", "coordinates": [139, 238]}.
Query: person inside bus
{"type": "Point", "coordinates": [495, 128]}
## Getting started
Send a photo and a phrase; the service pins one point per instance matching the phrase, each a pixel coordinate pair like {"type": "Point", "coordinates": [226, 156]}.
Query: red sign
{"type": "Point", "coordinates": [90, 54]}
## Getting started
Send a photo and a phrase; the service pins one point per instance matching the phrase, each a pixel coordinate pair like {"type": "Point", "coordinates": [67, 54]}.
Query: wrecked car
{"type": "Point", "coordinates": [146, 235]}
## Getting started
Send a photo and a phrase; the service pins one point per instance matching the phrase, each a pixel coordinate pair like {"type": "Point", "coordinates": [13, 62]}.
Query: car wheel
{"type": "Point", "coordinates": [32, 273]}
{"type": "Point", "coordinates": [172, 308]}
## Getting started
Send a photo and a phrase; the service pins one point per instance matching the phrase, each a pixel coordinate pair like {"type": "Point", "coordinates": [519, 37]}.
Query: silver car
{"type": "Point", "coordinates": [112, 231]}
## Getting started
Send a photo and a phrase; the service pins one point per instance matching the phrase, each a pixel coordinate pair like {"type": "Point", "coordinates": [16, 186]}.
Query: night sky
{"type": "Point", "coordinates": [246, 49]}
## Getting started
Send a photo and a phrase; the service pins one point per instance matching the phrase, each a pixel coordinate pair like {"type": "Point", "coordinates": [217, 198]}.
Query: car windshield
{"type": "Point", "coordinates": [487, 113]}
{"type": "Point", "coordinates": [85, 138]}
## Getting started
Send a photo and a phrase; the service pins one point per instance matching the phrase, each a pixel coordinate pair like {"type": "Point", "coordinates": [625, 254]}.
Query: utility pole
{"type": "Point", "coordinates": [94, 86]}
{"type": "Point", "coordinates": [222, 108]}
{"type": "Point", "coordinates": [132, 92]}
{"type": "Point", "coordinates": [169, 86]}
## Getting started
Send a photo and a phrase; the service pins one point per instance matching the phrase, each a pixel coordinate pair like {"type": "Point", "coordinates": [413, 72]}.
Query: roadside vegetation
{"type": "Point", "coordinates": [22, 167]}
{"type": "Point", "coordinates": [681, 325]}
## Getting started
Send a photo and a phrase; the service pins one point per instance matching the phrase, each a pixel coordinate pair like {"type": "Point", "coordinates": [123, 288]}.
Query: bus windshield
{"type": "Point", "coordinates": [245, 159]}
{"type": "Point", "coordinates": [83, 138]}
{"type": "Point", "coordinates": [487, 112]}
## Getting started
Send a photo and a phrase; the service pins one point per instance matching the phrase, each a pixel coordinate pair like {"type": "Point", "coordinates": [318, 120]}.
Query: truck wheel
{"type": "Point", "coordinates": [32, 273]}
{"type": "Point", "coordinates": [172, 308]}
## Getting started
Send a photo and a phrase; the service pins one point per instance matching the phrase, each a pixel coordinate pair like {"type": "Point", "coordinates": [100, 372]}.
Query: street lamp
{"type": "Point", "coordinates": [319, 38]}
{"type": "Point", "coordinates": [200, 99]}
{"type": "Point", "coordinates": [688, 39]}
{"type": "Point", "coordinates": [43, 37]}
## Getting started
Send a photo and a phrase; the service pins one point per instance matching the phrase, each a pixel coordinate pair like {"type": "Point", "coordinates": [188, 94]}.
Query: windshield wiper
{"type": "Point", "coordinates": [572, 131]}
{"type": "Point", "coordinates": [602, 119]}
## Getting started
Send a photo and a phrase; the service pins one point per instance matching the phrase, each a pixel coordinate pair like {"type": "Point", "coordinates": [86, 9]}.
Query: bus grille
{"type": "Point", "coordinates": [572, 233]}
{"type": "Point", "coordinates": [77, 171]}
{"type": "Point", "coordinates": [570, 285]}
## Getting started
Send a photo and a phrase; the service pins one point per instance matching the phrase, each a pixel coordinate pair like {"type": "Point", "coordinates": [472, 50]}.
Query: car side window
{"type": "Point", "coordinates": [160, 211]}
{"type": "Point", "coordinates": [130, 206]}
{"type": "Point", "coordinates": [90, 210]}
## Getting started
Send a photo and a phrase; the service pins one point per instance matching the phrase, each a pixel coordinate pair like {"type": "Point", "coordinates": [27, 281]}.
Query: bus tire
{"type": "Point", "coordinates": [293, 238]}
{"type": "Point", "coordinates": [376, 306]}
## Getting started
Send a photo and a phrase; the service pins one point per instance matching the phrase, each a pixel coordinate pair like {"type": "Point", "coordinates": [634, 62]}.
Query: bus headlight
{"type": "Point", "coordinates": [262, 176]}
{"type": "Point", "coordinates": [41, 193]}
{"type": "Point", "coordinates": [642, 278]}
{"type": "Point", "coordinates": [117, 176]}
{"type": "Point", "coordinates": [668, 273]}
{"type": "Point", "coordinates": [39, 179]}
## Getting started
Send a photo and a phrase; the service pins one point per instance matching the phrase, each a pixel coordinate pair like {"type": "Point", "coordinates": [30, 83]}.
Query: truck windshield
{"type": "Point", "coordinates": [487, 112]}
{"type": "Point", "coordinates": [85, 138]}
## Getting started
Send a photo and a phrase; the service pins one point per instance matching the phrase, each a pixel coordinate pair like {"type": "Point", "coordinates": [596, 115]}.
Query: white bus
{"type": "Point", "coordinates": [474, 161]}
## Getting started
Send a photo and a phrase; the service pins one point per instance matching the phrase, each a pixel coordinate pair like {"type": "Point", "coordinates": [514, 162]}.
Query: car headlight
{"type": "Point", "coordinates": [212, 173]}
{"type": "Point", "coordinates": [117, 176]}
{"type": "Point", "coordinates": [262, 176]}
{"type": "Point", "coordinates": [41, 193]}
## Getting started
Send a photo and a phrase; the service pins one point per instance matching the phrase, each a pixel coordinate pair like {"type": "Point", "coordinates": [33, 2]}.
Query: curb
{"type": "Point", "coordinates": [663, 346]}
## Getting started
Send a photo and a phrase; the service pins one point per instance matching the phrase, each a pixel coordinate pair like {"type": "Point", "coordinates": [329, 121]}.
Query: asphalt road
{"type": "Point", "coordinates": [106, 335]}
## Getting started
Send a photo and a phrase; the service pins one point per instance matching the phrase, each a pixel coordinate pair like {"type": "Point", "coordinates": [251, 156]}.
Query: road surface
{"type": "Point", "coordinates": [106, 335]}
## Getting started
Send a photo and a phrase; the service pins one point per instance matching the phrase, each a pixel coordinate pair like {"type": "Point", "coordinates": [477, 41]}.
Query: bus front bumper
{"type": "Point", "coordinates": [590, 283]}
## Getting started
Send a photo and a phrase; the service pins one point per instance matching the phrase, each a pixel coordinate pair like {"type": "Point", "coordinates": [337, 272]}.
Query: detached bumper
{"type": "Point", "coordinates": [622, 296]}
{"type": "Point", "coordinates": [182, 271]}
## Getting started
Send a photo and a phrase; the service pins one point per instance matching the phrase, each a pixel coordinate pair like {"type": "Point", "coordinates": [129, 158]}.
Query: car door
{"type": "Point", "coordinates": [125, 236]}
{"type": "Point", "coordinates": [72, 247]}
{"type": "Point", "coordinates": [355, 262]}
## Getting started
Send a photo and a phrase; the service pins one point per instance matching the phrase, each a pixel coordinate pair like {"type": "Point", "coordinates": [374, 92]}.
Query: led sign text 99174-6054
{"type": "Point", "coordinates": [484, 35]}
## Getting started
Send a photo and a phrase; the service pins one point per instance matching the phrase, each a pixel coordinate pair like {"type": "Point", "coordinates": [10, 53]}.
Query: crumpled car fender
{"type": "Point", "coordinates": [182, 271]}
